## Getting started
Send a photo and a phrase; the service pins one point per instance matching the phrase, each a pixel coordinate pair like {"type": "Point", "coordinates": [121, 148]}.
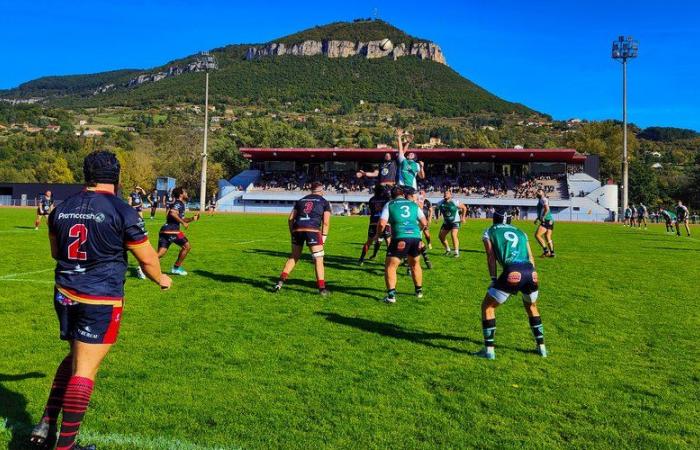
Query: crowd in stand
{"type": "Point", "coordinates": [526, 187]}
{"type": "Point", "coordinates": [473, 184]}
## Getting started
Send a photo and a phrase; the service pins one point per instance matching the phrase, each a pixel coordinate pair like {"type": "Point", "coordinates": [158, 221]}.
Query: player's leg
{"type": "Point", "coordinates": [377, 246]}
{"type": "Point", "coordinates": [390, 267]}
{"type": "Point", "coordinates": [185, 248]}
{"type": "Point", "coordinates": [550, 243]}
{"type": "Point", "coordinates": [317, 254]}
{"type": "Point", "coordinates": [86, 361]}
{"type": "Point", "coordinates": [540, 237]}
{"type": "Point", "coordinates": [536, 326]}
{"type": "Point", "coordinates": [416, 274]}
{"type": "Point", "coordinates": [37, 221]}
{"type": "Point", "coordinates": [289, 265]}
{"type": "Point", "coordinates": [687, 227]}
{"type": "Point", "coordinates": [154, 206]}
{"type": "Point", "coordinates": [45, 432]}
{"type": "Point", "coordinates": [678, 228]}
{"type": "Point", "coordinates": [442, 236]}
{"type": "Point", "coordinates": [488, 325]}
{"type": "Point", "coordinates": [365, 248]}
{"type": "Point", "coordinates": [455, 240]}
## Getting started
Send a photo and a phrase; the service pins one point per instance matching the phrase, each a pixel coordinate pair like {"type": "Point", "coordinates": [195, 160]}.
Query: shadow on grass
{"type": "Point", "coordinates": [13, 408]}
{"type": "Point", "coordinates": [292, 284]}
{"type": "Point", "coordinates": [24, 227]}
{"type": "Point", "coordinates": [397, 332]}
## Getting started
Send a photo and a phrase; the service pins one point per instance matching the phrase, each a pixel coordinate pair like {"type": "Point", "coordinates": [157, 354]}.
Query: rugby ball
{"type": "Point", "coordinates": [386, 45]}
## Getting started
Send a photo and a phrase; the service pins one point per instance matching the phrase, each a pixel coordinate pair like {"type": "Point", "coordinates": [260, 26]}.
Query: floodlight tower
{"type": "Point", "coordinates": [624, 48]}
{"type": "Point", "coordinates": [209, 62]}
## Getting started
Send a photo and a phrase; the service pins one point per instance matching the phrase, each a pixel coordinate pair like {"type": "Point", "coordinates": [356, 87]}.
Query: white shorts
{"type": "Point", "coordinates": [502, 296]}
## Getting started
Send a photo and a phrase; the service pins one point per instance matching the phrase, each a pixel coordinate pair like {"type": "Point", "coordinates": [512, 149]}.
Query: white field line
{"type": "Point", "coordinates": [13, 275]}
{"type": "Point", "coordinates": [123, 440]}
{"type": "Point", "coordinates": [27, 280]}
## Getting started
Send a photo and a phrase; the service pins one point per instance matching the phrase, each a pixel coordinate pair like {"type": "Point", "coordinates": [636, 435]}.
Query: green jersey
{"type": "Point", "coordinates": [404, 217]}
{"type": "Point", "coordinates": [450, 211]}
{"type": "Point", "coordinates": [540, 210]}
{"type": "Point", "coordinates": [408, 172]}
{"type": "Point", "coordinates": [509, 244]}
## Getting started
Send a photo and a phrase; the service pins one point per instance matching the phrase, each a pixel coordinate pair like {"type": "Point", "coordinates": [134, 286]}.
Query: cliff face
{"type": "Point", "coordinates": [344, 49]}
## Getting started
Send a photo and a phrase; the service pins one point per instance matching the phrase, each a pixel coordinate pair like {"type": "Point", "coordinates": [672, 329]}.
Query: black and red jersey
{"type": "Point", "coordinates": [92, 230]}
{"type": "Point", "coordinates": [45, 204]}
{"type": "Point", "coordinates": [388, 173]}
{"type": "Point", "coordinates": [172, 225]}
{"type": "Point", "coordinates": [136, 199]}
{"type": "Point", "coordinates": [376, 205]}
{"type": "Point", "coordinates": [309, 212]}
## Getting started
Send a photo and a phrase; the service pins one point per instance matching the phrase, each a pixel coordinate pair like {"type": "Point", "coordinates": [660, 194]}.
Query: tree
{"type": "Point", "coordinates": [53, 169]}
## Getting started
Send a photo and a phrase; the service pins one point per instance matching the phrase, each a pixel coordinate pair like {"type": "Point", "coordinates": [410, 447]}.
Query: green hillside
{"type": "Point", "coordinates": [361, 30]}
{"type": "Point", "coordinates": [305, 82]}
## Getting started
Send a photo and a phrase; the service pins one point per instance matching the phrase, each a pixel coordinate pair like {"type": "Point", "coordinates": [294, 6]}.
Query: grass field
{"type": "Point", "coordinates": [220, 362]}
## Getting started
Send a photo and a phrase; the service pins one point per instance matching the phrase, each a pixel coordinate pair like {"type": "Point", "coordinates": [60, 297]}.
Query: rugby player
{"type": "Point", "coordinates": [386, 173]}
{"type": "Point", "coordinates": [170, 232]}
{"type": "Point", "coordinates": [508, 246]}
{"type": "Point", "coordinates": [376, 205]}
{"type": "Point", "coordinates": [633, 217]}
{"type": "Point", "coordinates": [452, 212]}
{"type": "Point", "coordinates": [407, 221]}
{"type": "Point", "coordinates": [409, 169]}
{"type": "Point", "coordinates": [546, 224]}
{"type": "Point", "coordinates": [211, 207]}
{"type": "Point", "coordinates": [153, 200]}
{"type": "Point", "coordinates": [682, 214]}
{"type": "Point", "coordinates": [44, 207]}
{"type": "Point", "coordinates": [88, 233]}
{"type": "Point", "coordinates": [642, 214]}
{"type": "Point", "coordinates": [309, 223]}
{"type": "Point", "coordinates": [669, 219]}
{"type": "Point", "coordinates": [427, 208]}
{"type": "Point", "coordinates": [136, 201]}
{"type": "Point", "coordinates": [628, 217]}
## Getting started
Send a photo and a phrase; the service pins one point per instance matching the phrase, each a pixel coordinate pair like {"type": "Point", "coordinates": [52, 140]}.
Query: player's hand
{"type": "Point", "coordinates": [360, 174]}
{"type": "Point", "coordinates": [324, 238]}
{"type": "Point", "coordinates": [165, 282]}
{"type": "Point", "coordinates": [422, 163]}
{"type": "Point", "coordinates": [196, 217]}
{"type": "Point", "coordinates": [186, 225]}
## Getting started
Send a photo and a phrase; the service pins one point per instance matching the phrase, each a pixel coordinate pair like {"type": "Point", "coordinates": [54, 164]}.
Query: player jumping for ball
{"type": "Point", "coordinates": [88, 233]}
{"type": "Point", "coordinates": [309, 223]}
{"type": "Point", "coordinates": [508, 246]}
{"type": "Point", "coordinates": [44, 207]}
{"type": "Point", "coordinates": [170, 232]}
{"type": "Point", "coordinates": [546, 224]}
{"type": "Point", "coordinates": [376, 205]}
{"type": "Point", "coordinates": [453, 212]}
{"type": "Point", "coordinates": [407, 221]}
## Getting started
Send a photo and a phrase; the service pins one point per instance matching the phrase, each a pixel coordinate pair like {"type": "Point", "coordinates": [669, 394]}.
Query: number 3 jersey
{"type": "Point", "coordinates": [509, 244]}
{"type": "Point", "coordinates": [93, 230]}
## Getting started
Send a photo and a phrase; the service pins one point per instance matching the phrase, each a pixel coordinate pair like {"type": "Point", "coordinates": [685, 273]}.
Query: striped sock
{"type": "Point", "coordinates": [537, 329]}
{"type": "Point", "coordinates": [489, 329]}
{"type": "Point", "coordinates": [75, 404]}
{"type": "Point", "coordinates": [58, 389]}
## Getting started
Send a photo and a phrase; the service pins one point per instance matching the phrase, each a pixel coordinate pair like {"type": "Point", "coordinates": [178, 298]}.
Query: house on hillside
{"type": "Point", "coordinates": [53, 128]}
{"type": "Point", "coordinates": [92, 133]}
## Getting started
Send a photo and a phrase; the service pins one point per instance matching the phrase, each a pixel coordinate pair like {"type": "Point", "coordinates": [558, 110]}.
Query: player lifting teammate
{"type": "Point", "coordinates": [170, 232]}
{"type": "Point", "coordinates": [407, 221]}
{"type": "Point", "coordinates": [44, 207]}
{"type": "Point", "coordinates": [309, 222]}
{"type": "Point", "coordinates": [376, 205]}
{"type": "Point", "coordinates": [452, 212]}
{"type": "Point", "coordinates": [88, 234]}
{"type": "Point", "coordinates": [682, 215]}
{"type": "Point", "coordinates": [508, 246]}
{"type": "Point", "coordinates": [546, 224]}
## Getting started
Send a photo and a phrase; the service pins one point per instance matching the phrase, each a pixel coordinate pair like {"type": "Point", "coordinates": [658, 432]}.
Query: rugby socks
{"type": "Point", "coordinates": [365, 248]}
{"type": "Point", "coordinates": [489, 328]}
{"type": "Point", "coordinates": [321, 285]}
{"type": "Point", "coordinates": [58, 389]}
{"type": "Point", "coordinates": [377, 246]}
{"type": "Point", "coordinates": [75, 404]}
{"type": "Point", "coordinates": [391, 293]}
{"type": "Point", "coordinates": [537, 329]}
{"type": "Point", "coordinates": [419, 289]}
{"type": "Point", "coordinates": [283, 278]}
{"type": "Point", "coordinates": [424, 253]}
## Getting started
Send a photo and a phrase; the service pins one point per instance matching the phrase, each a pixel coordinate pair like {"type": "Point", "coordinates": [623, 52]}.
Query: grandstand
{"type": "Point", "coordinates": [482, 178]}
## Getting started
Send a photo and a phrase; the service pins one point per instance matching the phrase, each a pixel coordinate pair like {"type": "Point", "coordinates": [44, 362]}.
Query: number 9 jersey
{"type": "Point", "coordinates": [92, 231]}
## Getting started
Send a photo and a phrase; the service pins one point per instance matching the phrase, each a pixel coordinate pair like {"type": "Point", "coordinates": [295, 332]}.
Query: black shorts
{"type": "Point", "coordinates": [307, 237]}
{"type": "Point", "coordinates": [41, 212]}
{"type": "Point", "coordinates": [372, 230]}
{"type": "Point", "coordinates": [547, 224]}
{"type": "Point", "coordinates": [518, 277]}
{"type": "Point", "coordinates": [403, 247]}
{"type": "Point", "coordinates": [451, 226]}
{"type": "Point", "coordinates": [165, 239]}
{"type": "Point", "coordinates": [682, 219]}
{"type": "Point", "coordinates": [92, 324]}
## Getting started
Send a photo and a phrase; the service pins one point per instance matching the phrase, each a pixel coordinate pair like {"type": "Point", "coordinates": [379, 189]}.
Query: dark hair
{"type": "Point", "coordinates": [501, 217]}
{"type": "Point", "coordinates": [101, 167]}
{"type": "Point", "coordinates": [177, 192]}
{"type": "Point", "coordinates": [397, 191]}
{"type": "Point", "coordinates": [316, 185]}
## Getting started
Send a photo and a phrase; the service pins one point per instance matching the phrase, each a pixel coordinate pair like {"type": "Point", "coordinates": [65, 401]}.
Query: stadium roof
{"type": "Point", "coordinates": [567, 155]}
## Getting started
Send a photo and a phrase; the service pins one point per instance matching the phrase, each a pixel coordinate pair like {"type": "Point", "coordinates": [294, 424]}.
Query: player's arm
{"type": "Point", "coordinates": [290, 219]}
{"type": "Point", "coordinates": [381, 225]}
{"type": "Point", "coordinates": [462, 210]}
{"type": "Point", "coordinates": [373, 174]}
{"type": "Point", "coordinates": [191, 219]}
{"type": "Point", "coordinates": [325, 228]}
{"type": "Point", "coordinates": [399, 141]}
{"type": "Point", "coordinates": [424, 225]}
{"type": "Point", "coordinates": [529, 255]}
{"type": "Point", "coordinates": [149, 262]}
{"type": "Point", "coordinates": [128, 200]}
{"type": "Point", "coordinates": [490, 258]}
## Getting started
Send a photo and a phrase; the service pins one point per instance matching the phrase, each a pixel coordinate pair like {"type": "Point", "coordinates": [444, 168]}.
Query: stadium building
{"type": "Point", "coordinates": [481, 178]}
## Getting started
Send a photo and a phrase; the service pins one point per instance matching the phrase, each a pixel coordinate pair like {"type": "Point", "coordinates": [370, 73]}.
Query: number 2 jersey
{"type": "Point", "coordinates": [309, 213]}
{"type": "Point", "coordinates": [509, 244]}
{"type": "Point", "coordinates": [93, 230]}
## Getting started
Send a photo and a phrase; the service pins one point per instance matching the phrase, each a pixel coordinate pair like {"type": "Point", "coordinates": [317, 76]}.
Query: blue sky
{"type": "Point", "coordinates": [553, 56]}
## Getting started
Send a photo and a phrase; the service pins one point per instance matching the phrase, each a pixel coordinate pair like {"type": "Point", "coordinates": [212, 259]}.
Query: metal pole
{"type": "Point", "coordinates": [203, 184]}
{"type": "Point", "coordinates": [625, 166]}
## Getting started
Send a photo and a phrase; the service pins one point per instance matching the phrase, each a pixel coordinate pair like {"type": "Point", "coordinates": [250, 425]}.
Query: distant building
{"type": "Point", "coordinates": [53, 128]}
{"type": "Point", "coordinates": [82, 123]}
{"type": "Point", "coordinates": [93, 133]}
